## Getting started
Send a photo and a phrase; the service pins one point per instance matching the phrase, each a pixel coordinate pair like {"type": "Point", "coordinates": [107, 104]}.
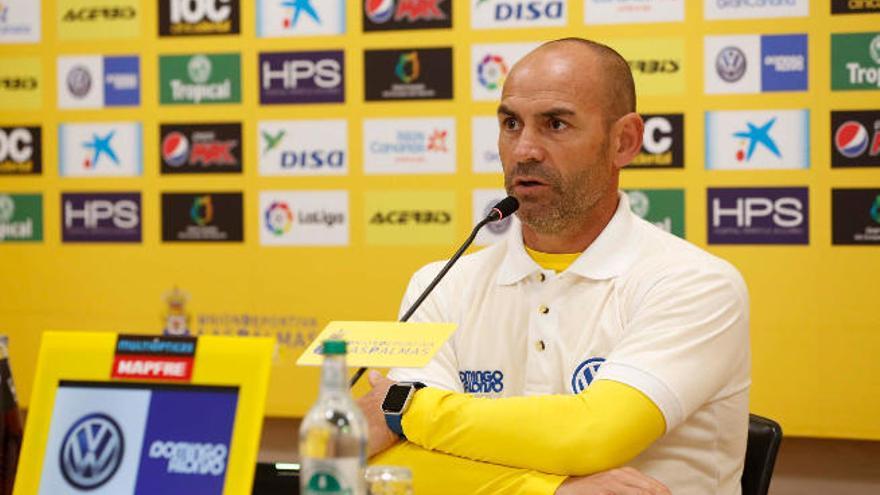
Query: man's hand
{"type": "Point", "coordinates": [620, 481]}
{"type": "Point", "coordinates": [379, 437]}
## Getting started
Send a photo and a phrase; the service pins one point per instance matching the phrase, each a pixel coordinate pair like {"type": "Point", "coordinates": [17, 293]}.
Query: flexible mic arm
{"type": "Point", "coordinates": [503, 209]}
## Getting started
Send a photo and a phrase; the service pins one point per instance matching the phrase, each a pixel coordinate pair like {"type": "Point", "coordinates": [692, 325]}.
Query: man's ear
{"type": "Point", "coordinates": [627, 135]}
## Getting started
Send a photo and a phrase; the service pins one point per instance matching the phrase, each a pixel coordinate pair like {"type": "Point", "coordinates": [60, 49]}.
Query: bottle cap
{"type": "Point", "coordinates": [334, 347]}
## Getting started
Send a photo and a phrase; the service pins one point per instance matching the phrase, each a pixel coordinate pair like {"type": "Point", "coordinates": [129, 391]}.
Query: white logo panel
{"type": "Point", "coordinates": [128, 408]}
{"type": "Point", "coordinates": [503, 14]}
{"type": "Point", "coordinates": [19, 21]}
{"type": "Point", "coordinates": [100, 149]}
{"type": "Point", "coordinates": [632, 11]}
{"type": "Point", "coordinates": [303, 147]}
{"type": "Point", "coordinates": [484, 145]}
{"type": "Point", "coordinates": [278, 18]}
{"type": "Point", "coordinates": [490, 65]}
{"type": "Point", "coordinates": [732, 64]}
{"type": "Point", "coordinates": [758, 139]}
{"type": "Point", "coordinates": [304, 218]}
{"type": "Point", "coordinates": [80, 82]}
{"type": "Point", "coordinates": [727, 9]}
{"type": "Point", "coordinates": [409, 146]}
{"type": "Point", "coordinates": [484, 200]}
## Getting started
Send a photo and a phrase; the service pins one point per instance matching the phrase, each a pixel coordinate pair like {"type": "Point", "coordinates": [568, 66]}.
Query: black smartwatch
{"type": "Point", "coordinates": [396, 402]}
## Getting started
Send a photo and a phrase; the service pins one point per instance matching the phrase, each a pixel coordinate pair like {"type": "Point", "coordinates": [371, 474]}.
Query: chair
{"type": "Point", "coordinates": [765, 435]}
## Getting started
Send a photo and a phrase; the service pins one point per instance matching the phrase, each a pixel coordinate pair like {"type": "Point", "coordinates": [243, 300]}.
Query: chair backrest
{"type": "Point", "coordinates": [765, 435]}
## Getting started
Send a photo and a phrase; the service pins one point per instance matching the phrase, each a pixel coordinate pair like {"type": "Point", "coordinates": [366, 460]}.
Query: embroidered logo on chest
{"type": "Point", "coordinates": [585, 373]}
{"type": "Point", "coordinates": [481, 381]}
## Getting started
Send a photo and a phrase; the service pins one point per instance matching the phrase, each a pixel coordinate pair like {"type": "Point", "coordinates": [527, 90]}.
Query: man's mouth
{"type": "Point", "coordinates": [526, 183]}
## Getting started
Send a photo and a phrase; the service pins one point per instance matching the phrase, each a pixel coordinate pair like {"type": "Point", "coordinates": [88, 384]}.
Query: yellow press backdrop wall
{"type": "Point", "coordinates": [815, 320]}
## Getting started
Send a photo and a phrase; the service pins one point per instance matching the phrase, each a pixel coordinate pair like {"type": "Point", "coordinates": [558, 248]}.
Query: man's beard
{"type": "Point", "coordinates": [570, 201]}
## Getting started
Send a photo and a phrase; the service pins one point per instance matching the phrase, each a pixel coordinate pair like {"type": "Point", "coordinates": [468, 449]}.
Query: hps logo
{"type": "Point", "coordinates": [92, 451]}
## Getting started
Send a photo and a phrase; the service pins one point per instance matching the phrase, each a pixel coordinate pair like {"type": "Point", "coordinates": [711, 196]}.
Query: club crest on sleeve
{"type": "Point", "coordinates": [585, 373]}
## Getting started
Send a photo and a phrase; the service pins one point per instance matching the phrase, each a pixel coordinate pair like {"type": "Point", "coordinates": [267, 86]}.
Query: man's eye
{"type": "Point", "coordinates": [510, 124]}
{"type": "Point", "coordinates": [557, 125]}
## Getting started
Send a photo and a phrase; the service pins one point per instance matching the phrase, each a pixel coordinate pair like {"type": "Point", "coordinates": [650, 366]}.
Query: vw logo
{"type": "Point", "coordinates": [79, 81]}
{"type": "Point", "coordinates": [730, 64]}
{"type": "Point", "coordinates": [585, 373]}
{"type": "Point", "coordinates": [92, 451]}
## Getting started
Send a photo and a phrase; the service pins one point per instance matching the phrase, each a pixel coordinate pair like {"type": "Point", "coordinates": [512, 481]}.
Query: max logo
{"type": "Point", "coordinates": [585, 373]}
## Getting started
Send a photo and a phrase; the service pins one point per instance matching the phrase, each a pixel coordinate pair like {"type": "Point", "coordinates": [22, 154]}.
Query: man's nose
{"type": "Point", "coordinates": [528, 147]}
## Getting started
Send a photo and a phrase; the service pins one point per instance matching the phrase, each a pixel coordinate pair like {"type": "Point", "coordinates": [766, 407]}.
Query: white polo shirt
{"type": "Point", "coordinates": [639, 306]}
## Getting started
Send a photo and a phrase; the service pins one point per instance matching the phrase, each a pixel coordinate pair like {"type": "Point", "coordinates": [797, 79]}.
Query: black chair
{"type": "Point", "coordinates": [765, 435]}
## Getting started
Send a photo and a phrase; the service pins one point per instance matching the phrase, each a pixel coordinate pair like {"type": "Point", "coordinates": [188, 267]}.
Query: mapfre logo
{"type": "Point", "coordinates": [20, 150]}
{"type": "Point", "coordinates": [198, 17]}
{"type": "Point", "coordinates": [386, 15]}
{"type": "Point", "coordinates": [493, 14]}
{"type": "Point", "coordinates": [409, 217]}
{"type": "Point", "coordinates": [92, 451]}
{"type": "Point", "coordinates": [662, 142]}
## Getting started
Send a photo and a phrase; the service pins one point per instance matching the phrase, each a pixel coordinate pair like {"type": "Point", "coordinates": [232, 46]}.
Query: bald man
{"type": "Point", "coordinates": [595, 353]}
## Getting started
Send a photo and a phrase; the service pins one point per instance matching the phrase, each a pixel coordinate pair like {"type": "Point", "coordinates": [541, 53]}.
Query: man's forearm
{"type": "Point", "coordinates": [604, 427]}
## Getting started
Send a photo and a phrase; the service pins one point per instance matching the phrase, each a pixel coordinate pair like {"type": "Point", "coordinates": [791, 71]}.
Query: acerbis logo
{"type": "Point", "coordinates": [730, 64]}
{"type": "Point", "coordinates": [585, 373]}
{"type": "Point", "coordinates": [279, 218]}
{"type": "Point", "coordinates": [655, 66]}
{"type": "Point", "coordinates": [92, 451]}
{"type": "Point", "coordinates": [411, 217]}
{"type": "Point", "coordinates": [492, 71]}
{"type": "Point", "coordinates": [19, 83]}
{"type": "Point", "coordinates": [86, 14]}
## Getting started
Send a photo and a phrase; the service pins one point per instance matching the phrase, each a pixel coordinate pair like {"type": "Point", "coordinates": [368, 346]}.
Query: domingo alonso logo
{"type": "Point", "coordinates": [92, 451]}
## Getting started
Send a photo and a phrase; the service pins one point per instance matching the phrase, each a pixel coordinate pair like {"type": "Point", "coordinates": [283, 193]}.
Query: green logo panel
{"type": "Point", "coordinates": [200, 79]}
{"type": "Point", "coordinates": [21, 218]}
{"type": "Point", "coordinates": [662, 207]}
{"type": "Point", "coordinates": [855, 61]}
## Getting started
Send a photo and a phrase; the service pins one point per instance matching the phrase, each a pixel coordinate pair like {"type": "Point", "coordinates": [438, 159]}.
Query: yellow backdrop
{"type": "Point", "coordinates": [815, 320]}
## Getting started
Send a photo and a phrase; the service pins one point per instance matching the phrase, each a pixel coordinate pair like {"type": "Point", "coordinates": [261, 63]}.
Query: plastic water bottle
{"type": "Point", "coordinates": [333, 435]}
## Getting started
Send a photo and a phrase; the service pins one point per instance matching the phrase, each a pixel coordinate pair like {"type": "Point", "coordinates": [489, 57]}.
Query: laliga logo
{"type": "Point", "coordinates": [279, 218]}
{"type": "Point", "coordinates": [492, 71]}
{"type": "Point", "coordinates": [91, 451]}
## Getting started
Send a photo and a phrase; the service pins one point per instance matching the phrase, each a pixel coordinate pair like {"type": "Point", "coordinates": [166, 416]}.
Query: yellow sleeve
{"type": "Point", "coordinates": [603, 427]}
{"type": "Point", "coordinates": [442, 474]}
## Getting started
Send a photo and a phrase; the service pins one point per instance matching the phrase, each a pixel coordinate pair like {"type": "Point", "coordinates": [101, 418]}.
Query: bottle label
{"type": "Point", "coordinates": [340, 476]}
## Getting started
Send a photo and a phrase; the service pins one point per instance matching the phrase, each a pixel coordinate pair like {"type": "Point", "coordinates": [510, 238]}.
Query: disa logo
{"type": "Point", "coordinates": [489, 14]}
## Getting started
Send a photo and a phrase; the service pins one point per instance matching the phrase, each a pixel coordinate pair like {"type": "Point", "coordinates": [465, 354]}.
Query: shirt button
{"type": "Point", "coordinates": [542, 277]}
{"type": "Point", "coordinates": [540, 345]}
{"type": "Point", "coordinates": [543, 309]}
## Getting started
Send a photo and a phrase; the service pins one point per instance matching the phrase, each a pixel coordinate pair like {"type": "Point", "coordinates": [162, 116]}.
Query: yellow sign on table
{"type": "Point", "coordinates": [381, 344]}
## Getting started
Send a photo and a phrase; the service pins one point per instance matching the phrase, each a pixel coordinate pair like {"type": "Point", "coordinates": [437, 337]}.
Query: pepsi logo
{"type": "Point", "coordinates": [175, 149]}
{"type": "Point", "coordinates": [851, 139]}
{"type": "Point", "coordinates": [379, 11]}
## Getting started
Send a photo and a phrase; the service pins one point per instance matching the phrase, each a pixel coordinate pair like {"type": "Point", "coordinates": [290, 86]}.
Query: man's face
{"type": "Point", "coordinates": [553, 140]}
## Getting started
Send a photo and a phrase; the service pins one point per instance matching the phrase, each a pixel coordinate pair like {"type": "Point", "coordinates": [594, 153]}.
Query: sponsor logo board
{"type": "Point", "coordinates": [96, 81]}
{"type": "Point", "coordinates": [409, 146]}
{"type": "Point", "coordinates": [200, 148]}
{"type": "Point", "coordinates": [198, 17]}
{"type": "Point", "coordinates": [100, 149]}
{"type": "Point", "coordinates": [202, 217]}
{"type": "Point", "coordinates": [101, 217]}
{"type": "Point", "coordinates": [758, 139]}
{"type": "Point", "coordinates": [90, 19]}
{"type": "Point", "coordinates": [855, 138]}
{"type": "Point", "coordinates": [408, 74]}
{"type": "Point", "coordinates": [280, 18]}
{"type": "Point", "coordinates": [748, 9]}
{"type": "Point", "coordinates": [483, 202]}
{"type": "Point", "coordinates": [304, 218]}
{"type": "Point", "coordinates": [484, 145]}
{"type": "Point", "coordinates": [855, 6]}
{"type": "Point", "coordinates": [387, 15]}
{"type": "Point", "coordinates": [755, 63]}
{"type": "Point", "coordinates": [855, 61]}
{"type": "Point", "coordinates": [154, 358]}
{"type": "Point", "coordinates": [662, 143]}
{"type": "Point", "coordinates": [303, 147]}
{"type": "Point", "coordinates": [657, 64]}
{"type": "Point", "coordinates": [200, 78]}
{"type": "Point", "coordinates": [409, 218]}
{"type": "Point", "coordinates": [302, 77]}
{"type": "Point", "coordinates": [491, 64]}
{"type": "Point", "coordinates": [503, 14]}
{"type": "Point", "coordinates": [855, 216]}
{"type": "Point", "coordinates": [21, 217]}
{"type": "Point", "coordinates": [21, 150]}
{"type": "Point", "coordinates": [632, 11]}
{"type": "Point", "coordinates": [21, 83]}
{"type": "Point", "coordinates": [758, 215]}
{"type": "Point", "coordinates": [19, 21]}
{"type": "Point", "coordinates": [661, 207]}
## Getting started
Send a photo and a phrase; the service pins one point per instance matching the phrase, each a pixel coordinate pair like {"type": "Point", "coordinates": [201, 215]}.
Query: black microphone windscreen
{"type": "Point", "coordinates": [504, 208]}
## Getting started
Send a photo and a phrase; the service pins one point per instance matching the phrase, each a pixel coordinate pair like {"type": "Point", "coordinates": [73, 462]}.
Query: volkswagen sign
{"type": "Point", "coordinates": [91, 451]}
{"type": "Point", "coordinates": [731, 64]}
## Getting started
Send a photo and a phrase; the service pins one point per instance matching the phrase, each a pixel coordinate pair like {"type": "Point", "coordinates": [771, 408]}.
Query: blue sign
{"type": "Point", "coordinates": [784, 62]}
{"type": "Point", "coordinates": [122, 81]}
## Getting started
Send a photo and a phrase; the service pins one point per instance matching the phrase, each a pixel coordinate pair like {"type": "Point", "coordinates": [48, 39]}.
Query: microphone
{"type": "Point", "coordinates": [502, 209]}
